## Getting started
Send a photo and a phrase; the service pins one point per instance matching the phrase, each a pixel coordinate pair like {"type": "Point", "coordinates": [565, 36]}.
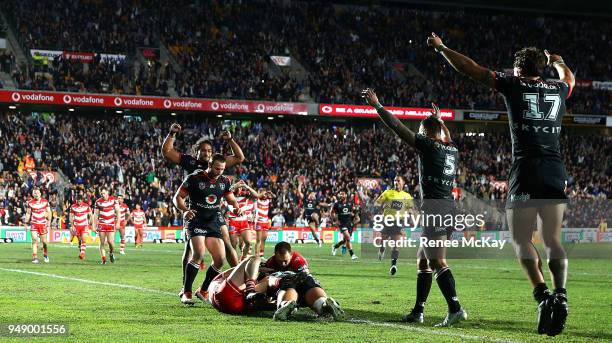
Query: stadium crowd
{"type": "Point", "coordinates": [223, 49]}
{"type": "Point", "coordinates": [124, 154]}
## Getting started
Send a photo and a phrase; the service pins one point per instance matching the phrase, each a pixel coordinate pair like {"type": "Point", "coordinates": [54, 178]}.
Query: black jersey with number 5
{"type": "Point", "coordinates": [437, 167]}
{"type": "Point", "coordinates": [535, 109]}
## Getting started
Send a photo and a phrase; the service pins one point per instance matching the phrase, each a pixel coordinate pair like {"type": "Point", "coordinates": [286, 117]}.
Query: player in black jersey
{"type": "Point", "coordinates": [537, 177]}
{"type": "Point", "coordinates": [345, 214]}
{"type": "Point", "coordinates": [203, 151]}
{"type": "Point", "coordinates": [437, 159]}
{"type": "Point", "coordinates": [203, 221]}
{"type": "Point", "coordinates": [311, 212]}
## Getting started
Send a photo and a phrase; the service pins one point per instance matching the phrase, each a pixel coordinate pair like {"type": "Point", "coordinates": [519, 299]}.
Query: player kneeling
{"type": "Point", "coordinates": [307, 290]}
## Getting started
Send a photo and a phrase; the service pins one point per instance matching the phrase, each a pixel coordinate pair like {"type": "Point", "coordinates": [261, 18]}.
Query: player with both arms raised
{"type": "Point", "coordinates": [437, 157]}
{"type": "Point", "coordinates": [537, 177]}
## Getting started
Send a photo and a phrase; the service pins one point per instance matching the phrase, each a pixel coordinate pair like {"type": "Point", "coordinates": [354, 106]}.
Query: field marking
{"type": "Point", "coordinates": [431, 331]}
{"type": "Point", "coordinates": [93, 282]}
{"type": "Point", "coordinates": [351, 320]}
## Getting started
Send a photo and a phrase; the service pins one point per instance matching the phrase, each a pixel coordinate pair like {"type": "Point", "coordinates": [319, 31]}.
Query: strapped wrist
{"type": "Point", "coordinates": [378, 106]}
{"type": "Point", "coordinates": [440, 48]}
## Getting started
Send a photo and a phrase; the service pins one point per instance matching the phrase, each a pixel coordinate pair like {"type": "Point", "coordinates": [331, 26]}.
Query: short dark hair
{"type": "Point", "coordinates": [282, 247]}
{"type": "Point", "coordinates": [530, 60]}
{"type": "Point", "coordinates": [431, 125]}
{"type": "Point", "coordinates": [218, 158]}
{"type": "Point", "coordinates": [34, 189]}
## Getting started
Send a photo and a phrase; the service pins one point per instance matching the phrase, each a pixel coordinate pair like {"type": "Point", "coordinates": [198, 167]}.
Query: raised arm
{"type": "Point", "coordinates": [391, 121]}
{"type": "Point", "coordinates": [436, 113]}
{"type": "Point", "coordinates": [462, 63]}
{"type": "Point", "coordinates": [565, 74]}
{"type": "Point", "coordinates": [238, 155]}
{"type": "Point", "coordinates": [168, 146]}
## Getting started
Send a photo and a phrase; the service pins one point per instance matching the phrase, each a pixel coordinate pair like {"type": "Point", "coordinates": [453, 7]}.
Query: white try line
{"type": "Point", "coordinates": [351, 320]}
{"type": "Point", "coordinates": [93, 282]}
{"type": "Point", "coordinates": [431, 331]}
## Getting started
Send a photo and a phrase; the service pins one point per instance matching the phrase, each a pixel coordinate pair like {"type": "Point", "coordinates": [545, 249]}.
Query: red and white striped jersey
{"type": "Point", "coordinates": [80, 214]}
{"type": "Point", "coordinates": [123, 211]}
{"type": "Point", "coordinates": [242, 203]}
{"type": "Point", "coordinates": [106, 208]}
{"type": "Point", "coordinates": [39, 211]}
{"type": "Point", "coordinates": [262, 211]}
{"type": "Point", "coordinates": [138, 217]}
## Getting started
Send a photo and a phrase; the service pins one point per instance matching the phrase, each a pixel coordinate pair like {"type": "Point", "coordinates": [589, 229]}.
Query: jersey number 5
{"type": "Point", "coordinates": [533, 102]}
{"type": "Point", "coordinates": [449, 165]}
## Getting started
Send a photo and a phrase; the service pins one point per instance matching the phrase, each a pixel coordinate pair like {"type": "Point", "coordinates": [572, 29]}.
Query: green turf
{"type": "Point", "coordinates": [494, 292]}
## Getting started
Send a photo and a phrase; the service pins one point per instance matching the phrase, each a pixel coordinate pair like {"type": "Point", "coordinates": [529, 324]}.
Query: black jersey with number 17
{"type": "Point", "coordinates": [535, 109]}
{"type": "Point", "coordinates": [437, 167]}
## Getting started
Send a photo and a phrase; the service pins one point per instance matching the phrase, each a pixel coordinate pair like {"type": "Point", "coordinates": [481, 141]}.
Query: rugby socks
{"type": "Point", "coordinates": [540, 292]}
{"type": "Point", "coordinates": [83, 247]}
{"type": "Point", "coordinates": [337, 245]}
{"type": "Point", "coordinates": [394, 257]}
{"type": "Point", "coordinates": [318, 304]}
{"type": "Point", "coordinates": [446, 282]}
{"type": "Point", "coordinates": [122, 245]}
{"type": "Point", "coordinates": [44, 250]}
{"type": "Point", "coordinates": [191, 271]}
{"type": "Point", "coordinates": [560, 291]}
{"type": "Point", "coordinates": [424, 279]}
{"type": "Point", "coordinates": [351, 252]}
{"type": "Point", "coordinates": [250, 286]}
{"type": "Point", "coordinates": [185, 262]}
{"type": "Point", "coordinates": [211, 273]}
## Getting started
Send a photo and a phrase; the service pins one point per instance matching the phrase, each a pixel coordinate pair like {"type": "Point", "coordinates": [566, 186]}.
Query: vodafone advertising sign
{"type": "Point", "coordinates": [368, 111]}
{"type": "Point", "coordinates": [151, 102]}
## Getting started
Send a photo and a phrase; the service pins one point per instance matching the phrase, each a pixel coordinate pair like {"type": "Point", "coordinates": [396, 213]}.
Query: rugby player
{"type": "Point", "coordinates": [80, 217]}
{"type": "Point", "coordinates": [38, 215]}
{"type": "Point", "coordinates": [437, 159]}
{"type": "Point", "coordinates": [345, 215]}
{"type": "Point", "coordinates": [106, 221]}
{"type": "Point", "coordinates": [537, 178]}
{"type": "Point", "coordinates": [203, 221]}
{"type": "Point", "coordinates": [124, 213]}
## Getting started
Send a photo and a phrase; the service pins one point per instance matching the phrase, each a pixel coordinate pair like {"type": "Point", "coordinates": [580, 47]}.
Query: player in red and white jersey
{"type": "Point", "coordinates": [262, 219]}
{"type": "Point", "coordinates": [38, 214]}
{"type": "Point", "coordinates": [245, 224]}
{"type": "Point", "coordinates": [80, 216]}
{"type": "Point", "coordinates": [106, 221]}
{"type": "Point", "coordinates": [124, 213]}
{"type": "Point", "coordinates": [139, 220]}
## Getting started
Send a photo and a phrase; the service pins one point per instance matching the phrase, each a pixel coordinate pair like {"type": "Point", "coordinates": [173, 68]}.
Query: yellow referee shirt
{"type": "Point", "coordinates": [395, 202]}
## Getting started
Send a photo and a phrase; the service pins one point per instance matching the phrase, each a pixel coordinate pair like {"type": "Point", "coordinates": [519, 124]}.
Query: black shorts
{"type": "Point", "coordinates": [207, 227]}
{"type": "Point", "coordinates": [308, 284]}
{"type": "Point", "coordinates": [438, 217]}
{"type": "Point", "coordinates": [535, 182]}
{"type": "Point", "coordinates": [310, 219]}
{"type": "Point", "coordinates": [347, 227]}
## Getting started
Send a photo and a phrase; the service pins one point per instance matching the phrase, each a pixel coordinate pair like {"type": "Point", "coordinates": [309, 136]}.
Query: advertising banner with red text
{"type": "Point", "coordinates": [369, 111]}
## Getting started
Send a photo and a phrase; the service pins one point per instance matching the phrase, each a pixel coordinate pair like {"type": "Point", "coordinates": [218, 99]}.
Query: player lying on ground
{"type": "Point", "coordinates": [203, 221]}
{"type": "Point", "coordinates": [307, 292]}
{"type": "Point", "coordinates": [437, 157]}
{"type": "Point", "coordinates": [203, 151]}
{"type": "Point", "coordinates": [537, 178]}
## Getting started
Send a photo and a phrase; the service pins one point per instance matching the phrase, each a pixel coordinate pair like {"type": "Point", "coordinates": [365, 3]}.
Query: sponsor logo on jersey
{"type": "Point", "coordinates": [211, 199]}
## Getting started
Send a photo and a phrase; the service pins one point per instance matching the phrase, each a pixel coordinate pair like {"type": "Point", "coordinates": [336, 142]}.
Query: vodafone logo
{"type": "Point", "coordinates": [215, 105]}
{"type": "Point", "coordinates": [67, 99]}
{"type": "Point", "coordinates": [260, 108]}
{"type": "Point", "coordinates": [16, 96]}
{"type": "Point", "coordinates": [326, 109]}
{"type": "Point", "coordinates": [118, 102]}
{"type": "Point", "coordinates": [167, 103]}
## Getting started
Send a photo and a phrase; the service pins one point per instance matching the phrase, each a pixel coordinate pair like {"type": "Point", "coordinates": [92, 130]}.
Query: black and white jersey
{"type": "Point", "coordinates": [437, 167]}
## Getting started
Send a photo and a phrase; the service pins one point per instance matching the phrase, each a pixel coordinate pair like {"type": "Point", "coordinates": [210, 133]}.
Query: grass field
{"type": "Point", "coordinates": [135, 299]}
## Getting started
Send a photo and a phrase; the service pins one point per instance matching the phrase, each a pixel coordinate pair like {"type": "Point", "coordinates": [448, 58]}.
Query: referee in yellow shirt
{"type": "Point", "coordinates": [395, 202]}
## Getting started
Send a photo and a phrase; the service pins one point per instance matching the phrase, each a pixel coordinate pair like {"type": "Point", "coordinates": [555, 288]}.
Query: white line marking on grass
{"type": "Point", "coordinates": [352, 320]}
{"type": "Point", "coordinates": [431, 331]}
{"type": "Point", "coordinates": [142, 289]}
